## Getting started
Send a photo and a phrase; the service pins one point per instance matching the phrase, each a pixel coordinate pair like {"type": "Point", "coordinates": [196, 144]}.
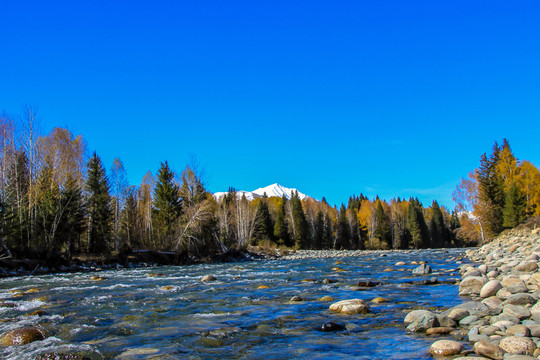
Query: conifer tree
{"type": "Point", "coordinates": [514, 207]}
{"type": "Point", "coordinates": [301, 226]}
{"type": "Point", "coordinates": [281, 228]}
{"type": "Point", "coordinates": [437, 229]}
{"type": "Point", "coordinates": [263, 227]}
{"type": "Point", "coordinates": [343, 237]}
{"type": "Point", "coordinates": [74, 214]}
{"type": "Point", "coordinates": [328, 232]}
{"type": "Point", "coordinates": [491, 192]}
{"type": "Point", "coordinates": [318, 233]}
{"type": "Point", "coordinates": [100, 214]}
{"type": "Point", "coordinates": [416, 225]}
{"type": "Point", "coordinates": [167, 204]}
{"type": "Point", "coordinates": [382, 228]}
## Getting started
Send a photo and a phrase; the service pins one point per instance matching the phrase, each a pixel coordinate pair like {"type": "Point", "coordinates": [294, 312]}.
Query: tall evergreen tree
{"type": "Point", "coordinates": [343, 237]}
{"type": "Point", "coordinates": [318, 233]}
{"type": "Point", "coordinates": [263, 227]}
{"type": "Point", "coordinates": [416, 225]}
{"type": "Point", "coordinates": [514, 207]}
{"type": "Point", "coordinates": [167, 204]}
{"type": "Point", "coordinates": [74, 214]}
{"type": "Point", "coordinates": [491, 192]}
{"type": "Point", "coordinates": [301, 226]}
{"type": "Point", "coordinates": [281, 229]}
{"type": "Point", "coordinates": [100, 215]}
{"type": "Point", "coordinates": [383, 231]}
{"type": "Point", "coordinates": [437, 228]}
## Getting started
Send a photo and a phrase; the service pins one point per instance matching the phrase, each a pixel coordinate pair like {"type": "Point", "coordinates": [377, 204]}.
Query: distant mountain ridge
{"type": "Point", "coordinates": [270, 190]}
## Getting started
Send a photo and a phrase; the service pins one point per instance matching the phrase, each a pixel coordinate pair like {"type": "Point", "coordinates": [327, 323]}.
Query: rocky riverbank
{"type": "Point", "coordinates": [501, 319]}
{"type": "Point", "coordinates": [136, 259]}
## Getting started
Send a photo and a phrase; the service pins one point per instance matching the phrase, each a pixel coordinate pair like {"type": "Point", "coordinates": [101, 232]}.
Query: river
{"type": "Point", "coordinates": [168, 313]}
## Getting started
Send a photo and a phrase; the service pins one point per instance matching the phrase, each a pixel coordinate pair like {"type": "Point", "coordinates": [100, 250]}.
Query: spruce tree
{"type": "Point", "coordinates": [491, 192]}
{"type": "Point", "coordinates": [100, 214]}
{"type": "Point", "coordinates": [514, 207]}
{"type": "Point", "coordinates": [301, 226]}
{"type": "Point", "coordinates": [318, 233]}
{"type": "Point", "coordinates": [343, 237]}
{"type": "Point", "coordinates": [383, 231]}
{"type": "Point", "coordinates": [328, 237]}
{"type": "Point", "coordinates": [416, 225]}
{"type": "Point", "coordinates": [263, 227]}
{"type": "Point", "coordinates": [281, 229]}
{"type": "Point", "coordinates": [167, 204]}
{"type": "Point", "coordinates": [73, 218]}
{"type": "Point", "coordinates": [437, 228]}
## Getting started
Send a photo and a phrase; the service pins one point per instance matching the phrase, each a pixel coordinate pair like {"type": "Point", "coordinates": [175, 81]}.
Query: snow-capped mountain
{"type": "Point", "coordinates": [270, 190]}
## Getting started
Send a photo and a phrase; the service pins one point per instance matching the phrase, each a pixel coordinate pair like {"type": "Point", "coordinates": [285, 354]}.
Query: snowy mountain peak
{"type": "Point", "coordinates": [278, 190]}
{"type": "Point", "coordinates": [270, 190]}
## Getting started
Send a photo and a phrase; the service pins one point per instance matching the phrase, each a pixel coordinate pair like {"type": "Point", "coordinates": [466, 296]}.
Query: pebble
{"type": "Point", "coordinates": [446, 348]}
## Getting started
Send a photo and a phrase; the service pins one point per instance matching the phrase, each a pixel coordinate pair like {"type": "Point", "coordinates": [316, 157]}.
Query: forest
{"type": "Point", "coordinates": [56, 199]}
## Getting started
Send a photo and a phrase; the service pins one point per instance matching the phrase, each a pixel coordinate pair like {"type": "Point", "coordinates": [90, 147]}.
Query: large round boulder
{"type": "Point", "coordinates": [517, 345]}
{"type": "Point", "coordinates": [22, 336]}
{"type": "Point", "coordinates": [489, 350]}
{"type": "Point", "coordinates": [472, 285]}
{"type": "Point", "coordinates": [490, 288]}
{"type": "Point", "coordinates": [445, 347]}
{"type": "Point", "coordinates": [351, 306]}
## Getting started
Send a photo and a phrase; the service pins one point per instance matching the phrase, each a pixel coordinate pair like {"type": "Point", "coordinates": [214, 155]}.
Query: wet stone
{"type": "Point", "coordinates": [22, 336]}
{"type": "Point", "coordinates": [331, 326]}
{"type": "Point", "coordinates": [489, 350]}
{"type": "Point", "coordinates": [446, 348]}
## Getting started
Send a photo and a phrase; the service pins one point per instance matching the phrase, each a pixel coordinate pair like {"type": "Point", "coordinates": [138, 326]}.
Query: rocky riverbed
{"type": "Point", "coordinates": [501, 317]}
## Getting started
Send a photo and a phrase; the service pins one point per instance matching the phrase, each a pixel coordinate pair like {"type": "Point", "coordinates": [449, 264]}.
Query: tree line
{"type": "Point", "coordinates": [500, 194]}
{"type": "Point", "coordinates": [56, 200]}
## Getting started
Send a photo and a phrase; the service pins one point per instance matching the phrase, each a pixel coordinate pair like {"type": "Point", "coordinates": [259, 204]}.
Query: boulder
{"type": "Point", "coordinates": [526, 266]}
{"type": "Point", "coordinates": [331, 326]}
{"type": "Point", "coordinates": [417, 314]}
{"type": "Point", "coordinates": [517, 345]}
{"type": "Point", "coordinates": [422, 270]}
{"type": "Point", "coordinates": [22, 336]}
{"type": "Point", "coordinates": [351, 306]}
{"type": "Point", "coordinates": [472, 285]}
{"type": "Point", "coordinates": [516, 310]}
{"type": "Point", "coordinates": [490, 288]}
{"type": "Point", "coordinates": [520, 299]}
{"type": "Point", "coordinates": [489, 350]}
{"type": "Point", "coordinates": [519, 330]}
{"type": "Point", "coordinates": [445, 348]}
{"type": "Point", "coordinates": [208, 278]}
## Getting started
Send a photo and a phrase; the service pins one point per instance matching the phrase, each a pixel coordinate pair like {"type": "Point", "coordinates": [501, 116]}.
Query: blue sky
{"type": "Point", "coordinates": [393, 98]}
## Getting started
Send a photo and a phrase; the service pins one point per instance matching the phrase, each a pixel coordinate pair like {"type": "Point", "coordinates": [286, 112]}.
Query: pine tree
{"type": "Point", "coordinates": [281, 229]}
{"type": "Point", "coordinates": [301, 226]}
{"type": "Point", "coordinates": [264, 227]}
{"type": "Point", "coordinates": [416, 225]}
{"type": "Point", "coordinates": [343, 237]}
{"type": "Point", "coordinates": [318, 233]}
{"type": "Point", "coordinates": [328, 239]}
{"type": "Point", "coordinates": [100, 215]}
{"type": "Point", "coordinates": [74, 214]}
{"type": "Point", "coordinates": [437, 229]}
{"type": "Point", "coordinates": [382, 228]}
{"type": "Point", "coordinates": [514, 207]}
{"type": "Point", "coordinates": [491, 192]}
{"type": "Point", "coordinates": [167, 204]}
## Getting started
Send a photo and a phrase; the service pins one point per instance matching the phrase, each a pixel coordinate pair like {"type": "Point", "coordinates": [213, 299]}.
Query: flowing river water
{"type": "Point", "coordinates": [168, 313]}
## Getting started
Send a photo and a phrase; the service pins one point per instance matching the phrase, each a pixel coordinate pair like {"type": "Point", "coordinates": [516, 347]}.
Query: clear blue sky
{"type": "Point", "coordinates": [395, 98]}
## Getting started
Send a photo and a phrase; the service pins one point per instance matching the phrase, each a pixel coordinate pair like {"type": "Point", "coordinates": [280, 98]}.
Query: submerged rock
{"type": "Point", "coordinates": [22, 336]}
{"type": "Point", "coordinates": [331, 326]}
{"type": "Point", "coordinates": [208, 278]}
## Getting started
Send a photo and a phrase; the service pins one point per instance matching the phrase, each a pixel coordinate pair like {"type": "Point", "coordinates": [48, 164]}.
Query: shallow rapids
{"type": "Point", "coordinates": [168, 313]}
